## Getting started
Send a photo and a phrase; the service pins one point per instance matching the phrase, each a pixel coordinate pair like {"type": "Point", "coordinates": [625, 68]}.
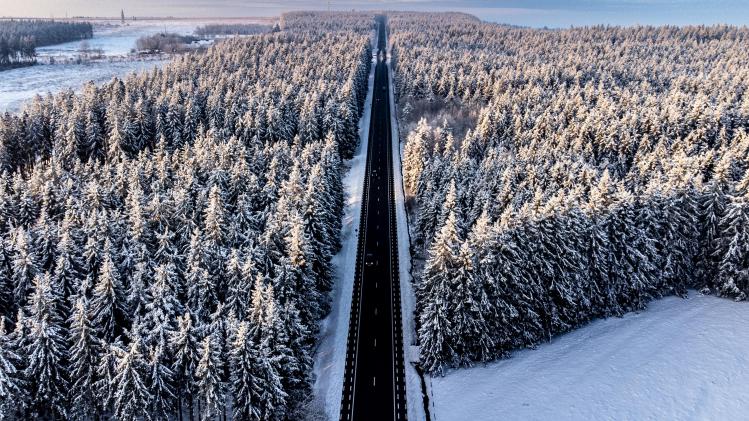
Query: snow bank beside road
{"type": "Point", "coordinates": [414, 397]}
{"type": "Point", "coordinates": [679, 359]}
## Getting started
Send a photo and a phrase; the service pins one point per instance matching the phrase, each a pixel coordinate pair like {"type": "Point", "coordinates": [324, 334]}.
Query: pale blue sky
{"type": "Point", "coordinates": [553, 13]}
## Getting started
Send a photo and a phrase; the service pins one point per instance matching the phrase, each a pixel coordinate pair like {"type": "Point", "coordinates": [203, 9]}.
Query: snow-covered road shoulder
{"type": "Point", "coordinates": [330, 358]}
{"type": "Point", "coordinates": [408, 299]}
{"type": "Point", "coordinates": [679, 359]}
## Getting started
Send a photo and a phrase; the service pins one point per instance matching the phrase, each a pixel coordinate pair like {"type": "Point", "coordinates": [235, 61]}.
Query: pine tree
{"type": "Point", "coordinates": [415, 156]}
{"type": "Point", "coordinates": [137, 295]}
{"type": "Point", "coordinates": [84, 355]}
{"type": "Point", "coordinates": [269, 391]}
{"type": "Point", "coordinates": [160, 384]}
{"type": "Point", "coordinates": [297, 277]}
{"type": "Point", "coordinates": [24, 266]}
{"type": "Point", "coordinates": [6, 283]}
{"type": "Point", "coordinates": [238, 287]}
{"type": "Point", "coordinates": [105, 373]}
{"type": "Point", "coordinates": [243, 361]}
{"type": "Point", "coordinates": [68, 265]}
{"type": "Point", "coordinates": [468, 308]}
{"type": "Point", "coordinates": [214, 216]}
{"type": "Point", "coordinates": [201, 287]}
{"type": "Point", "coordinates": [184, 344]}
{"type": "Point", "coordinates": [632, 270]}
{"type": "Point", "coordinates": [131, 395]}
{"type": "Point", "coordinates": [213, 238]}
{"type": "Point", "coordinates": [712, 211]}
{"type": "Point", "coordinates": [11, 384]}
{"type": "Point", "coordinates": [44, 240]}
{"type": "Point", "coordinates": [107, 302]}
{"type": "Point", "coordinates": [436, 334]}
{"type": "Point", "coordinates": [209, 373]}
{"type": "Point", "coordinates": [733, 273]}
{"type": "Point", "coordinates": [270, 351]}
{"type": "Point", "coordinates": [162, 307]}
{"type": "Point", "coordinates": [319, 229]}
{"type": "Point", "coordinates": [287, 340]}
{"type": "Point", "coordinates": [46, 352]}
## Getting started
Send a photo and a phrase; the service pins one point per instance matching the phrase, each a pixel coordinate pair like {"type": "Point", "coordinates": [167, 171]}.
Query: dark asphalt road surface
{"type": "Point", "coordinates": [374, 377]}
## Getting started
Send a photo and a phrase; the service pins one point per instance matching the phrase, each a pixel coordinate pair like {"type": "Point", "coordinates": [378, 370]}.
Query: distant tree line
{"type": "Point", "coordinates": [164, 42]}
{"type": "Point", "coordinates": [19, 38]}
{"type": "Point", "coordinates": [215, 29]}
{"type": "Point", "coordinates": [166, 240]}
{"type": "Point", "coordinates": [606, 167]}
{"type": "Point", "coordinates": [358, 22]}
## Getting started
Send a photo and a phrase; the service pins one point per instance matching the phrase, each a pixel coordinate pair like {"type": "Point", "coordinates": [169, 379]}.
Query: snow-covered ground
{"type": "Point", "coordinates": [115, 42]}
{"type": "Point", "coordinates": [330, 358]}
{"type": "Point", "coordinates": [20, 85]}
{"type": "Point", "coordinates": [681, 359]}
{"type": "Point", "coordinates": [408, 299]}
{"type": "Point", "coordinates": [115, 39]}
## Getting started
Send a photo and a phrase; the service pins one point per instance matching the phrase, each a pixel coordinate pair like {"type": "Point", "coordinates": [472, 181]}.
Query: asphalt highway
{"type": "Point", "coordinates": [374, 377]}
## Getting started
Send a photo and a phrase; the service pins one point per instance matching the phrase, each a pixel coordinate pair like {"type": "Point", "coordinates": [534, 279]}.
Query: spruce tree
{"type": "Point", "coordinates": [211, 386]}
{"type": "Point", "coordinates": [24, 266]}
{"type": "Point", "coordinates": [7, 303]}
{"type": "Point", "coordinates": [184, 348]}
{"type": "Point", "coordinates": [160, 383]}
{"type": "Point", "coordinates": [84, 355]}
{"type": "Point", "coordinates": [468, 308]}
{"type": "Point", "coordinates": [243, 358]}
{"type": "Point", "coordinates": [67, 274]}
{"type": "Point", "coordinates": [11, 380]}
{"type": "Point", "coordinates": [131, 394]}
{"type": "Point", "coordinates": [733, 272]}
{"type": "Point", "coordinates": [436, 334]}
{"type": "Point", "coordinates": [46, 352]}
{"type": "Point", "coordinates": [107, 302]}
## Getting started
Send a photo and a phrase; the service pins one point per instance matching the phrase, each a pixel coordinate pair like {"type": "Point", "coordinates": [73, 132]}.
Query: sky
{"type": "Point", "coordinates": [536, 13]}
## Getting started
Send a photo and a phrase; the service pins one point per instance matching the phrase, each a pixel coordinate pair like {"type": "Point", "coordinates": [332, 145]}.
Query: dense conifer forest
{"type": "Point", "coordinates": [590, 171]}
{"type": "Point", "coordinates": [215, 29]}
{"type": "Point", "coordinates": [165, 240]}
{"type": "Point", "coordinates": [19, 38]}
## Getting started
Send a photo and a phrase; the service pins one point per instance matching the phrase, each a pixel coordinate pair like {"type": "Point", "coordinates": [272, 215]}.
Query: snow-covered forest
{"type": "Point", "coordinates": [591, 170]}
{"type": "Point", "coordinates": [227, 29]}
{"type": "Point", "coordinates": [165, 240]}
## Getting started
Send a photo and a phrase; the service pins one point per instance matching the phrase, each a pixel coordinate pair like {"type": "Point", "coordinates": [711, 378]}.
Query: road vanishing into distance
{"type": "Point", "coordinates": [374, 386]}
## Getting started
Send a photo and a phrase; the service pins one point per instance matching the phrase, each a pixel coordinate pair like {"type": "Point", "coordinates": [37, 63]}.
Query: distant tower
{"type": "Point", "coordinates": [329, 10]}
{"type": "Point", "coordinates": [122, 15]}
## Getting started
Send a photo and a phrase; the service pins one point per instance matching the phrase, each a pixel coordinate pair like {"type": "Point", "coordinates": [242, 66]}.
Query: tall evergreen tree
{"type": "Point", "coordinates": [11, 381]}
{"type": "Point", "coordinates": [209, 372]}
{"type": "Point", "coordinates": [733, 272]}
{"type": "Point", "coordinates": [24, 266]}
{"type": "Point", "coordinates": [436, 332]}
{"type": "Point", "coordinates": [107, 302]}
{"type": "Point", "coordinates": [84, 355]}
{"type": "Point", "coordinates": [46, 352]}
{"type": "Point", "coordinates": [184, 344]}
{"type": "Point", "coordinates": [131, 394]}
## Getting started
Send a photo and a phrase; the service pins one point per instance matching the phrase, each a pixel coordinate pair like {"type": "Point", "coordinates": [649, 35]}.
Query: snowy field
{"type": "Point", "coordinates": [115, 41]}
{"type": "Point", "coordinates": [20, 85]}
{"type": "Point", "coordinates": [677, 360]}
